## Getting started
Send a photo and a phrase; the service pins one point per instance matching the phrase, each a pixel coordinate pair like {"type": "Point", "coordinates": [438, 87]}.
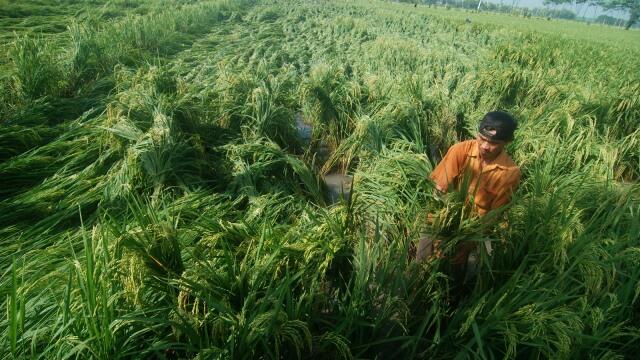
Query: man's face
{"type": "Point", "coordinates": [489, 149]}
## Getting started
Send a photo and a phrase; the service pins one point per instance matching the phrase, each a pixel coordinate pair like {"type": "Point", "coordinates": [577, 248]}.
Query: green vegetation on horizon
{"type": "Point", "coordinates": [157, 200]}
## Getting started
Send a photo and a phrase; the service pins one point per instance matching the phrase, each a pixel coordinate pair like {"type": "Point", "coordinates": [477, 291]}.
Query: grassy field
{"type": "Point", "coordinates": [158, 201]}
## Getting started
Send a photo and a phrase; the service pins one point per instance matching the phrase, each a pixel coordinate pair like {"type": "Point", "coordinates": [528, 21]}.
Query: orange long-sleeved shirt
{"type": "Point", "coordinates": [490, 186]}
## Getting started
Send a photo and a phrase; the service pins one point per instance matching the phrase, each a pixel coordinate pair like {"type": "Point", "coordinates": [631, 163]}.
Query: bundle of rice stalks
{"type": "Point", "coordinates": [262, 167]}
{"type": "Point", "coordinates": [35, 69]}
{"type": "Point", "coordinates": [329, 99]}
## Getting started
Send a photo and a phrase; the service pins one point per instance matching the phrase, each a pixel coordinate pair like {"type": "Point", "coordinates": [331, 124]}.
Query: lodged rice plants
{"type": "Point", "coordinates": [159, 201]}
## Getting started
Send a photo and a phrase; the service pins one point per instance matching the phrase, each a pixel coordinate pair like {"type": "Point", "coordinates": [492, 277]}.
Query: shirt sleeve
{"type": "Point", "coordinates": [449, 167]}
{"type": "Point", "coordinates": [510, 186]}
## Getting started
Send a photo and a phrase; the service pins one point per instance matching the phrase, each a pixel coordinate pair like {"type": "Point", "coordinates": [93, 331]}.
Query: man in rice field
{"type": "Point", "coordinates": [490, 173]}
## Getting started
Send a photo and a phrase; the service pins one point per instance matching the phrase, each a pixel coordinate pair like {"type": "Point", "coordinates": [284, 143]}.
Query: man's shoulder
{"type": "Point", "coordinates": [509, 167]}
{"type": "Point", "coordinates": [508, 163]}
{"type": "Point", "coordinates": [463, 146]}
{"type": "Point", "coordinates": [467, 143]}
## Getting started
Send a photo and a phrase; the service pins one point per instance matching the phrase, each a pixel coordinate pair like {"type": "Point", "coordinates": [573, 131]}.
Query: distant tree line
{"type": "Point", "coordinates": [607, 20]}
{"type": "Point", "coordinates": [630, 6]}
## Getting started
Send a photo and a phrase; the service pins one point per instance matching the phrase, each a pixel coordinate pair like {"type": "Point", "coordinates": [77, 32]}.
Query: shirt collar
{"type": "Point", "coordinates": [500, 162]}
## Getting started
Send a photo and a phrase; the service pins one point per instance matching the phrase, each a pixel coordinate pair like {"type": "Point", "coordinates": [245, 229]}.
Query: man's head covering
{"type": "Point", "coordinates": [498, 126]}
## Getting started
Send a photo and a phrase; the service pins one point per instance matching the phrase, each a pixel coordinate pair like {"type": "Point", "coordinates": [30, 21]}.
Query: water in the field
{"type": "Point", "coordinates": [339, 186]}
{"type": "Point", "coordinates": [304, 129]}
